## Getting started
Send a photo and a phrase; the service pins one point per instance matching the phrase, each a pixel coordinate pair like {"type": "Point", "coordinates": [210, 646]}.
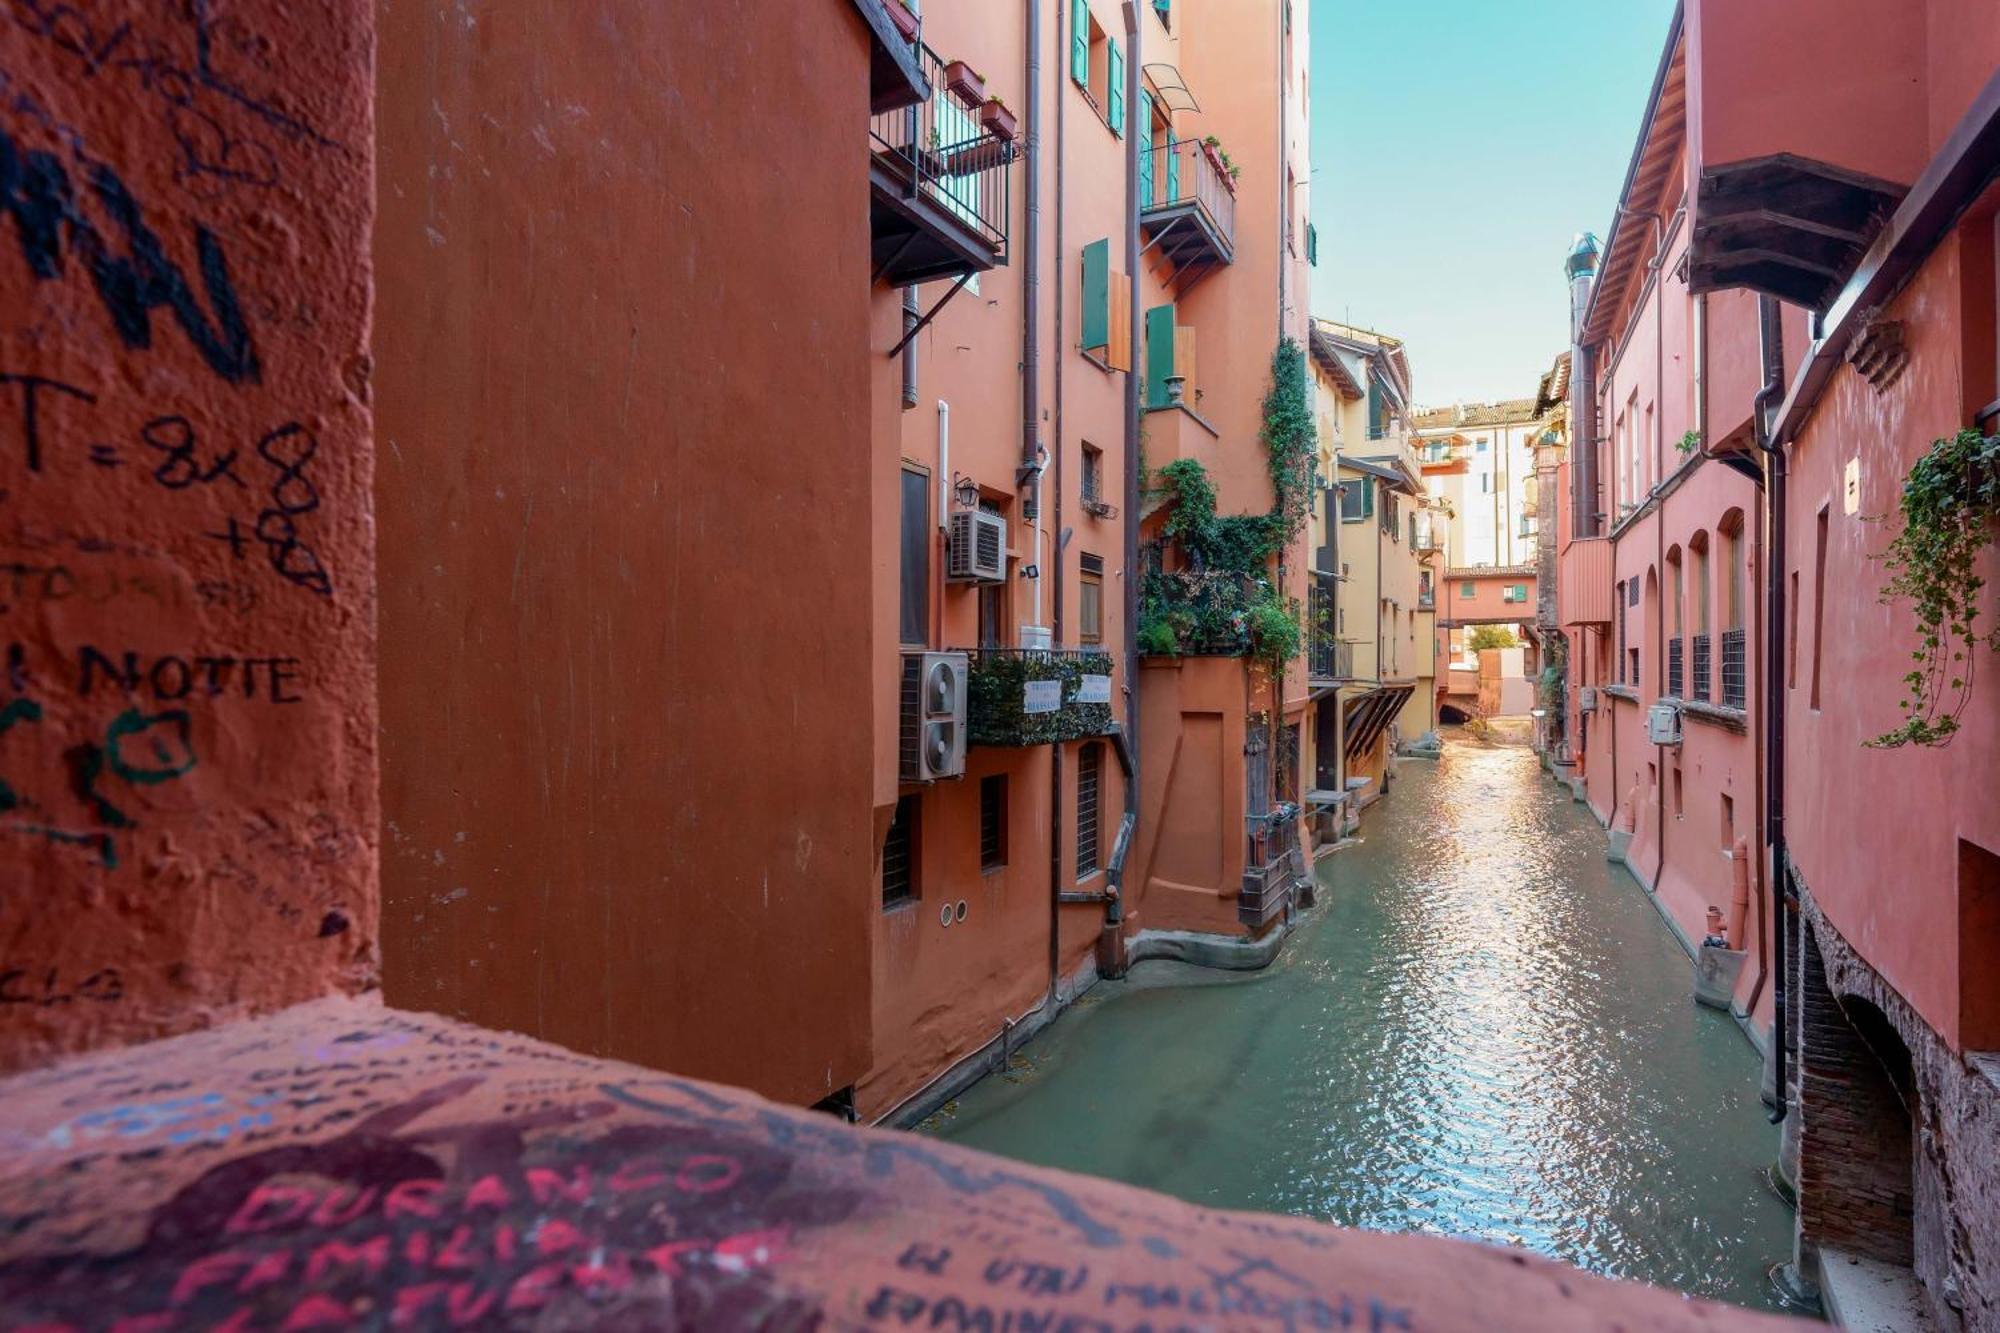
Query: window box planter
{"type": "Point", "coordinates": [998, 120]}
{"type": "Point", "coordinates": [967, 84]}
{"type": "Point", "coordinates": [905, 21]}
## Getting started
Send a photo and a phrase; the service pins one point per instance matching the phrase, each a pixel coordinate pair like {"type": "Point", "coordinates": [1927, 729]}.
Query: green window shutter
{"type": "Point", "coordinates": [1374, 409]}
{"type": "Point", "coordinates": [1146, 140]}
{"type": "Point", "coordinates": [1173, 167]}
{"type": "Point", "coordinates": [1159, 353]}
{"type": "Point", "coordinates": [1312, 245]}
{"type": "Point", "coordinates": [1117, 99]}
{"type": "Point", "coordinates": [1079, 41]}
{"type": "Point", "coordinates": [1367, 497]}
{"type": "Point", "coordinates": [1097, 293]}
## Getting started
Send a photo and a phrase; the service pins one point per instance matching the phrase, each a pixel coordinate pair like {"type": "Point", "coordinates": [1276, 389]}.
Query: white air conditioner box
{"type": "Point", "coordinates": [933, 716]}
{"type": "Point", "coordinates": [978, 548]}
{"type": "Point", "coordinates": [1663, 724]}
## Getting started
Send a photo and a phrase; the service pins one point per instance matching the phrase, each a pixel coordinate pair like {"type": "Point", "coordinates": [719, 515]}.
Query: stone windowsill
{"type": "Point", "coordinates": [1716, 715]}
{"type": "Point", "coordinates": [1625, 692]}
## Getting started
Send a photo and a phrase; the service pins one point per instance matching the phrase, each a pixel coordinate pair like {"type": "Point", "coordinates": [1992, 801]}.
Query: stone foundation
{"type": "Point", "coordinates": [1898, 1135]}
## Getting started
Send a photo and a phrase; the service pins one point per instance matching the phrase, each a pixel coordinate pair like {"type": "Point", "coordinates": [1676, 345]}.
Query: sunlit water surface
{"type": "Point", "coordinates": [1483, 1031]}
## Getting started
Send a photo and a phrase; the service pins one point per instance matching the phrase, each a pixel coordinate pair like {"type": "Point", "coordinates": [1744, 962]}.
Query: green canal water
{"type": "Point", "coordinates": [1483, 1031]}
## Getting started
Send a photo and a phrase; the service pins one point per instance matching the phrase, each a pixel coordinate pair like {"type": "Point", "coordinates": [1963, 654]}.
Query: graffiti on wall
{"type": "Point", "coordinates": [183, 505]}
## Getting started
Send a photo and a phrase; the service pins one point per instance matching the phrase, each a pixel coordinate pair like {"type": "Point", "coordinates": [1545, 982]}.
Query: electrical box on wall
{"type": "Point", "coordinates": [1663, 724]}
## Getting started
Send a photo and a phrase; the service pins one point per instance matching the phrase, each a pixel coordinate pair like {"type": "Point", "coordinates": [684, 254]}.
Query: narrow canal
{"type": "Point", "coordinates": [1485, 1032]}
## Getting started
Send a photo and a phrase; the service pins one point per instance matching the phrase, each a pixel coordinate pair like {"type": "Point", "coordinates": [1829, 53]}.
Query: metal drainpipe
{"type": "Point", "coordinates": [1031, 414]}
{"type": "Point", "coordinates": [910, 317]}
{"type": "Point", "coordinates": [1056, 599]}
{"type": "Point", "coordinates": [1771, 343]}
{"type": "Point", "coordinates": [1114, 906]}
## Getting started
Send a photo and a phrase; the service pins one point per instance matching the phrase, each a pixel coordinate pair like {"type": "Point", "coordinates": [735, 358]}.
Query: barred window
{"type": "Point", "coordinates": [901, 851]}
{"type": "Point", "coordinates": [993, 822]}
{"type": "Point", "coordinates": [1089, 761]}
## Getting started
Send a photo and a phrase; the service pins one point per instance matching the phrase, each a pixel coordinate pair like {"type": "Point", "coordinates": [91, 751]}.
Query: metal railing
{"type": "Point", "coordinates": [1676, 668]}
{"type": "Point", "coordinates": [1180, 171]}
{"type": "Point", "coordinates": [944, 154]}
{"type": "Point", "coordinates": [997, 681]}
{"type": "Point", "coordinates": [1734, 656]}
{"type": "Point", "coordinates": [1703, 662]}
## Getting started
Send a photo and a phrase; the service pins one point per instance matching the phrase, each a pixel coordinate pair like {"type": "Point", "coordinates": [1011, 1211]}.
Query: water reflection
{"type": "Point", "coordinates": [1486, 1033]}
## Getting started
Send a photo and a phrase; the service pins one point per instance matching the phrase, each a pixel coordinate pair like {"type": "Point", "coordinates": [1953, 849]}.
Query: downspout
{"type": "Point", "coordinates": [1658, 446]}
{"type": "Point", "coordinates": [1771, 343]}
{"type": "Point", "coordinates": [1031, 416]}
{"type": "Point", "coordinates": [1114, 906]}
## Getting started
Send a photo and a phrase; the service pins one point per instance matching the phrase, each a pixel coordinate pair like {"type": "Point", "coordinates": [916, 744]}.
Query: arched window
{"type": "Point", "coordinates": [1676, 629]}
{"type": "Point", "coordinates": [1701, 651]}
{"type": "Point", "coordinates": [1735, 641]}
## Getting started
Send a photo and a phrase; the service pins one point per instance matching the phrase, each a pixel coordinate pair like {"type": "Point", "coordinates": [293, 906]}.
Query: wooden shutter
{"type": "Point", "coordinates": [1159, 353]}
{"type": "Point", "coordinates": [1097, 293]}
{"type": "Point", "coordinates": [1118, 351]}
{"type": "Point", "coordinates": [1079, 41]}
{"type": "Point", "coordinates": [1116, 99]}
{"type": "Point", "coordinates": [1184, 356]}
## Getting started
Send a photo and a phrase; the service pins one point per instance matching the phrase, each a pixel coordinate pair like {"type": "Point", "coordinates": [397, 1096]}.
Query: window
{"type": "Point", "coordinates": [1468, 590]}
{"type": "Point", "coordinates": [901, 853]}
{"type": "Point", "coordinates": [1090, 600]}
{"type": "Point", "coordinates": [1728, 822]}
{"type": "Point", "coordinates": [1089, 760]}
{"type": "Point", "coordinates": [993, 822]}
{"type": "Point", "coordinates": [1097, 65]}
{"type": "Point", "coordinates": [1357, 499]}
{"type": "Point", "coordinates": [1165, 9]}
{"type": "Point", "coordinates": [1093, 473]}
{"type": "Point", "coordinates": [915, 589]}
{"type": "Point", "coordinates": [1479, 445]}
{"type": "Point", "coordinates": [1621, 629]}
{"type": "Point", "coordinates": [1680, 811]}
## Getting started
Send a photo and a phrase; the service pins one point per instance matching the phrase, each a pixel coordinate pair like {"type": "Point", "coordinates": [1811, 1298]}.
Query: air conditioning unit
{"type": "Point", "coordinates": [1663, 724]}
{"type": "Point", "coordinates": [1586, 699]}
{"type": "Point", "coordinates": [978, 548]}
{"type": "Point", "coordinates": [933, 716]}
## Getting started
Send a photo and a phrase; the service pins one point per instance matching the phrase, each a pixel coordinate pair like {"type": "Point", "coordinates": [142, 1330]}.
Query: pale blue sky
{"type": "Point", "coordinates": [1458, 145]}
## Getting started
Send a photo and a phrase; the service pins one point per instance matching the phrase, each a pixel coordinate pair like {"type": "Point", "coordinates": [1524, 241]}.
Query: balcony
{"type": "Point", "coordinates": [1185, 613]}
{"type": "Point", "coordinates": [1004, 707]}
{"type": "Point", "coordinates": [1328, 660]}
{"type": "Point", "coordinates": [1187, 209]}
{"type": "Point", "coordinates": [938, 187]}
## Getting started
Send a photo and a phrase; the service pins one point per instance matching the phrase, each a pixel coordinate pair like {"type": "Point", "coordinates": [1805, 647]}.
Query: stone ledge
{"type": "Point", "coordinates": [341, 1164]}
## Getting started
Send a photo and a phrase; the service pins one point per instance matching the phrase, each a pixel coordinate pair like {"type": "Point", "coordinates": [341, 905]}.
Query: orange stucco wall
{"type": "Point", "coordinates": [187, 582]}
{"type": "Point", "coordinates": [625, 677]}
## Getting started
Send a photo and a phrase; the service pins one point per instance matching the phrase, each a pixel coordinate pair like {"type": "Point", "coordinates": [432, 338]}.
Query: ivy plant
{"type": "Point", "coordinates": [1948, 506]}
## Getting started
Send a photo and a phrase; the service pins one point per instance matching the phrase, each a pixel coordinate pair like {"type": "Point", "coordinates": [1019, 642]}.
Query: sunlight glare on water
{"type": "Point", "coordinates": [1483, 1031]}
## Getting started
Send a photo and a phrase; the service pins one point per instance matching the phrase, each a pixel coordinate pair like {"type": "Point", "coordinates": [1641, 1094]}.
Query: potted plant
{"type": "Point", "coordinates": [967, 84]}
{"type": "Point", "coordinates": [905, 21]}
{"type": "Point", "coordinates": [1227, 170]}
{"type": "Point", "coordinates": [998, 120]}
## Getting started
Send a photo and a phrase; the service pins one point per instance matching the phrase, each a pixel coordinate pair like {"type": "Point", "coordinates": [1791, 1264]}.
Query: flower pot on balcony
{"type": "Point", "coordinates": [967, 84]}
{"type": "Point", "coordinates": [998, 120]}
{"type": "Point", "coordinates": [1176, 386]}
{"type": "Point", "coordinates": [905, 21]}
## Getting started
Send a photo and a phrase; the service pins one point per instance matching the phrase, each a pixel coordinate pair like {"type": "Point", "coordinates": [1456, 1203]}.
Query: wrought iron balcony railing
{"type": "Point", "coordinates": [1734, 657]}
{"type": "Point", "coordinates": [1703, 664]}
{"type": "Point", "coordinates": [1004, 708]}
{"type": "Point", "coordinates": [942, 184]}
{"type": "Point", "coordinates": [1187, 207]}
{"type": "Point", "coordinates": [1676, 668]}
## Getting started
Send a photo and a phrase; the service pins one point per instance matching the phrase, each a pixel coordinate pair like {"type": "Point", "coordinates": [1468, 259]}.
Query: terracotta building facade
{"type": "Point", "coordinates": [1789, 331]}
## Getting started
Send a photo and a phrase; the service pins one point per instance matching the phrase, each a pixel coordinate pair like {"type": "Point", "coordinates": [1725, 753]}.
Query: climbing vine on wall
{"type": "Point", "coordinates": [1950, 501]}
{"type": "Point", "coordinates": [1228, 602]}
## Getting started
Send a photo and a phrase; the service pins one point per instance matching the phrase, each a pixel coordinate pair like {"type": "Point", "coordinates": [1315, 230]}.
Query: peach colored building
{"type": "Point", "coordinates": [1044, 308]}
{"type": "Point", "coordinates": [1795, 308]}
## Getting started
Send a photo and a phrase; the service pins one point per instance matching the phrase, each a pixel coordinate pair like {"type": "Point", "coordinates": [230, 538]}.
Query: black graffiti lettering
{"type": "Point", "coordinates": [90, 663]}
{"type": "Point", "coordinates": [35, 191]}
{"type": "Point", "coordinates": [175, 438]}
{"type": "Point", "coordinates": [32, 385]}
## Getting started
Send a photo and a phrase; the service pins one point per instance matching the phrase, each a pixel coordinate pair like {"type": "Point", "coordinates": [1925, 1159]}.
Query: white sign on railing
{"type": "Point", "coordinates": [1094, 690]}
{"type": "Point", "coordinates": [1041, 696]}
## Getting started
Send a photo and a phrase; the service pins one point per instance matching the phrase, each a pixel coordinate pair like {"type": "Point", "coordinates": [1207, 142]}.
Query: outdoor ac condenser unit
{"type": "Point", "coordinates": [1586, 699]}
{"type": "Point", "coordinates": [933, 716]}
{"type": "Point", "coordinates": [1663, 724]}
{"type": "Point", "coordinates": [978, 548]}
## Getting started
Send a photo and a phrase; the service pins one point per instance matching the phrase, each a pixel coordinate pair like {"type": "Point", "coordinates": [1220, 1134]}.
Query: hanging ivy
{"type": "Point", "coordinates": [1290, 440]}
{"type": "Point", "coordinates": [1228, 603]}
{"type": "Point", "coordinates": [1950, 500]}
